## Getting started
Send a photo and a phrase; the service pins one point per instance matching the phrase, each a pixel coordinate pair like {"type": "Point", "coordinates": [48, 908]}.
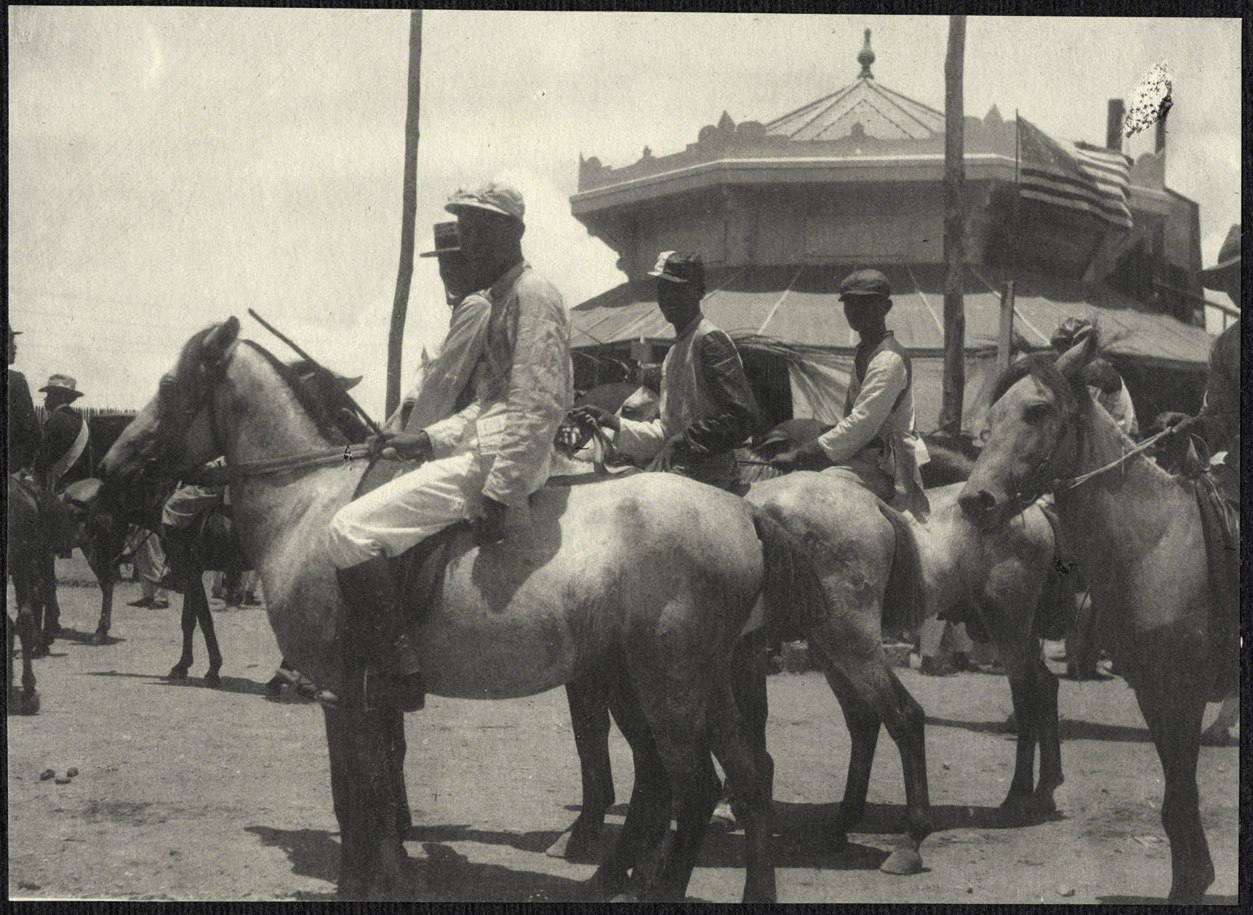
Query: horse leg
{"type": "Point", "coordinates": [1027, 707]}
{"type": "Point", "coordinates": [104, 577]}
{"type": "Point", "coordinates": [863, 730]}
{"type": "Point", "coordinates": [373, 861]}
{"type": "Point", "coordinates": [1175, 724]}
{"type": "Point", "coordinates": [394, 725]}
{"type": "Point", "coordinates": [205, 618]}
{"type": "Point", "coordinates": [648, 814]}
{"type": "Point", "coordinates": [741, 758]}
{"type": "Point", "coordinates": [868, 676]}
{"type": "Point", "coordinates": [589, 716]}
{"type": "Point", "coordinates": [750, 664]}
{"type": "Point", "coordinates": [28, 634]}
{"type": "Point", "coordinates": [1042, 803]}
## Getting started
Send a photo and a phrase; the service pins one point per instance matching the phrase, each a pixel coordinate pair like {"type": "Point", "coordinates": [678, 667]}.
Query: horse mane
{"type": "Point", "coordinates": [322, 416]}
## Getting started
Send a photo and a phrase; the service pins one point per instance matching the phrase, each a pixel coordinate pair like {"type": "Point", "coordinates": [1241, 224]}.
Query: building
{"type": "Point", "coordinates": [781, 211]}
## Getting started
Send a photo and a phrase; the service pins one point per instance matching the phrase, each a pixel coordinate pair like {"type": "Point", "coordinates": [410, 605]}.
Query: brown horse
{"type": "Point", "coordinates": [658, 577]}
{"type": "Point", "coordinates": [1137, 533]}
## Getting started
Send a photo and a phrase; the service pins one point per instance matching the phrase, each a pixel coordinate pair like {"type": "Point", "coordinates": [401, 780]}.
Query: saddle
{"type": "Point", "coordinates": [418, 571]}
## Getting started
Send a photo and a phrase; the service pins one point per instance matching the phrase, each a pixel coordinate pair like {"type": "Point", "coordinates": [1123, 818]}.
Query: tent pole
{"type": "Point", "coordinates": [954, 255]}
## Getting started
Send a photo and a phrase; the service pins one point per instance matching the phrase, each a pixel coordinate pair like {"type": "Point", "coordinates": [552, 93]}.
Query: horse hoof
{"type": "Point", "coordinates": [99, 638]}
{"type": "Point", "coordinates": [212, 679]}
{"type": "Point", "coordinates": [1012, 812]}
{"type": "Point", "coordinates": [1040, 806]}
{"type": "Point", "coordinates": [275, 686]}
{"type": "Point", "coordinates": [578, 844]}
{"type": "Point", "coordinates": [903, 861]}
{"type": "Point", "coordinates": [177, 673]}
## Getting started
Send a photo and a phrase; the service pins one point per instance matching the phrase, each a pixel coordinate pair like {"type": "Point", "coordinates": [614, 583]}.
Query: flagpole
{"type": "Point", "coordinates": [1017, 145]}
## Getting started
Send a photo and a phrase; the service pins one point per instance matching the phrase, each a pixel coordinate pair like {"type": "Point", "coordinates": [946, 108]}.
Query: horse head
{"type": "Point", "coordinates": [1034, 433]}
{"type": "Point", "coordinates": [176, 429]}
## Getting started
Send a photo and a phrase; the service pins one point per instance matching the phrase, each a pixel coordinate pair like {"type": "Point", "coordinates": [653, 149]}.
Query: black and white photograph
{"type": "Point", "coordinates": [573, 457]}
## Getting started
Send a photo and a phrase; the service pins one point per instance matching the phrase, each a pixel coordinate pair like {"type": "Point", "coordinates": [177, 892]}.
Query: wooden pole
{"type": "Point", "coordinates": [1005, 337]}
{"type": "Point", "coordinates": [954, 254]}
{"type": "Point", "coordinates": [409, 206]}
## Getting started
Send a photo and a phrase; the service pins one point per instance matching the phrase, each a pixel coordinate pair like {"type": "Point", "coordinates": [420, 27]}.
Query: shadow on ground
{"type": "Point", "coordinates": [1068, 729]}
{"type": "Point", "coordinates": [228, 684]}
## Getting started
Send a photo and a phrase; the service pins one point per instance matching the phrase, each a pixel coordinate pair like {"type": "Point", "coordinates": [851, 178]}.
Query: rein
{"type": "Point", "coordinates": [322, 457]}
{"type": "Point", "coordinates": [1060, 486]}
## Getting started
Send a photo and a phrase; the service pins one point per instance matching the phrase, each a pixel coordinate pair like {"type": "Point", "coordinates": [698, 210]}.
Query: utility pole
{"type": "Point", "coordinates": [404, 277]}
{"type": "Point", "coordinates": [954, 253]}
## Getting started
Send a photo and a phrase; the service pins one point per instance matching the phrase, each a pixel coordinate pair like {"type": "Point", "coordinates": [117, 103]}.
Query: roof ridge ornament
{"type": "Point", "coordinates": [866, 58]}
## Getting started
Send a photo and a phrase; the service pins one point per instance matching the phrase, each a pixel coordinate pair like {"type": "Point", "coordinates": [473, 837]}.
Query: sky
{"type": "Point", "coordinates": [169, 167]}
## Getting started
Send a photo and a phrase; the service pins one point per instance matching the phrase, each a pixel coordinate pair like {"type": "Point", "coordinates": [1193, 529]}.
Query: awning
{"type": "Point", "coordinates": [800, 304]}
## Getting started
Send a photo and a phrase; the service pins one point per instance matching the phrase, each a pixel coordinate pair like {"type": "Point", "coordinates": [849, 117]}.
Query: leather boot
{"type": "Point", "coordinates": [375, 604]}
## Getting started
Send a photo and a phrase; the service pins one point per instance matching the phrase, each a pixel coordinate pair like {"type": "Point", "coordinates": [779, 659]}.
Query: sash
{"type": "Point", "coordinates": [66, 461]}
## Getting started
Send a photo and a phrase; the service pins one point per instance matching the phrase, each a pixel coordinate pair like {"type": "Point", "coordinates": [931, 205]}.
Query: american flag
{"type": "Point", "coordinates": [1073, 175]}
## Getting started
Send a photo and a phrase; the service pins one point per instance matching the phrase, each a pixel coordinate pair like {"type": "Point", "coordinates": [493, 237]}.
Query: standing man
{"type": "Point", "coordinates": [877, 443]}
{"type": "Point", "coordinates": [23, 425]}
{"type": "Point", "coordinates": [707, 407]}
{"type": "Point", "coordinates": [62, 452]}
{"type": "Point", "coordinates": [483, 462]}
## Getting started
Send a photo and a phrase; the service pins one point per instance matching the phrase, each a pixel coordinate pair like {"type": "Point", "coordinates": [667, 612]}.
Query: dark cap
{"type": "Point", "coordinates": [447, 241]}
{"type": "Point", "coordinates": [864, 283]}
{"type": "Point", "coordinates": [493, 197]}
{"type": "Point", "coordinates": [679, 267]}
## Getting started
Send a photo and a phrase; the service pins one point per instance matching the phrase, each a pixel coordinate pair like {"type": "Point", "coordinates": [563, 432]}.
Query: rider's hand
{"type": "Point", "coordinates": [401, 446]}
{"type": "Point", "coordinates": [809, 456]}
{"type": "Point", "coordinates": [501, 523]}
{"type": "Point", "coordinates": [590, 413]}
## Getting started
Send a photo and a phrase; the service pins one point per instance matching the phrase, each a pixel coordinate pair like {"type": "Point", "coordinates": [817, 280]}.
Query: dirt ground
{"type": "Point", "coordinates": [186, 792]}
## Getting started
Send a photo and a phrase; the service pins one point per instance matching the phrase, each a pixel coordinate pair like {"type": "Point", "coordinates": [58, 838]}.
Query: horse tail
{"type": "Point", "coordinates": [794, 598]}
{"type": "Point", "coordinates": [904, 600]}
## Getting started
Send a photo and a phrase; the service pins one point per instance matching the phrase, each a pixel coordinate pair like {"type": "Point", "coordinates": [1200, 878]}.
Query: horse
{"type": "Point", "coordinates": [655, 578]}
{"type": "Point", "coordinates": [212, 543]}
{"type": "Point", "coordinates": [864, 558]}
{"type": "Point", "coordinates": [1139, 535]}
{"type": "Point", "coordinates": [24, 545]}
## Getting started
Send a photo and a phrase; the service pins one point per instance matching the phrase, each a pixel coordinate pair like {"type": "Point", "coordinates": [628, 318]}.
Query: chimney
{"type": "Point", "coordinates": [1113, 124]}
{"type": "Point", "coordinates": [1160, 146]}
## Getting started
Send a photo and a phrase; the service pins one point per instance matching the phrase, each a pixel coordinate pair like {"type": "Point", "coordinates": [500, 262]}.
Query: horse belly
{"type": "Point", "coordinates": [482, 653]}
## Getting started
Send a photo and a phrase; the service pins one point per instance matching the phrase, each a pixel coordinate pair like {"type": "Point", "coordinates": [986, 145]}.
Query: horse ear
{"type": "Point", "coordinates": [1081, 352]}
{"type": "Point", "coordinates": [213, 349]}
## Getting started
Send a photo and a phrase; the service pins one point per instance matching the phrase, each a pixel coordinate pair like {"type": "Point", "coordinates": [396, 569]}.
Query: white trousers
{"type": "Point", "coordinates": [410, 508]}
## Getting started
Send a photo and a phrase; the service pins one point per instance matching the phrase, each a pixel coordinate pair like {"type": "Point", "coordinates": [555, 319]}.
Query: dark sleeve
{"type": "Point", "coordinates": [727, 385]}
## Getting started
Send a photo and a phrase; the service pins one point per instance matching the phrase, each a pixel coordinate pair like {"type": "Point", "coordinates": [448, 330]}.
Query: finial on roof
{"type": "Point", "coordinates": [866, 58]}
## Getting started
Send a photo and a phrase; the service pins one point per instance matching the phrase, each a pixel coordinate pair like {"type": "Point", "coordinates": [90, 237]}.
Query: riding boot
{"type": "Point", "coordinates": [375, 614]}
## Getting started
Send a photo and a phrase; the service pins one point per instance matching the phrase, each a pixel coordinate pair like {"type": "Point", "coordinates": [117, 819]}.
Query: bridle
{"type": "Point", "coordinates": [175, 418]}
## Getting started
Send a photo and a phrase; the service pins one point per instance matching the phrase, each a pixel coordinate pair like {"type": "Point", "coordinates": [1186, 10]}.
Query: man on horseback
{"type": "Point", "coordinates": [444, 384]}
{"type": "Point", "coordinates": [1219, 425]}
{"type": "Point", "coordinates": [876, 444]}
{"type": "Point", "coordinates": [23, 425]}
{"type": "Point", "coordinates": [483, 461]}
{"type": "Point", "coordinates": [707, 407]}
{"type": "Point", "coordinates": [1104, 383]}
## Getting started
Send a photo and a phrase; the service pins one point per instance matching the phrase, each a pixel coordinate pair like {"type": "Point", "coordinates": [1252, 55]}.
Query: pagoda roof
{"type": "Point", "coordinates": [881, 112]}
